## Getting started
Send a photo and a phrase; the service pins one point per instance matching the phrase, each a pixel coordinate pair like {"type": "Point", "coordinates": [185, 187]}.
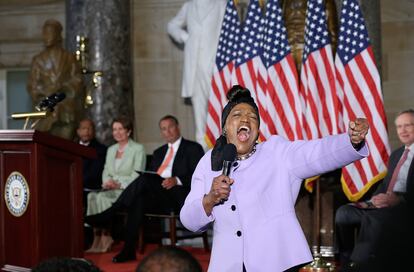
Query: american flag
{"type": "Point", "coordinates": [280, 76]}
{"type": "Point", "coordinates": [320, 103]}
{"type": "Point", "coordinates": [221, 80]}
{"type": "Point", "coordinates": [359, 87]}
{"type": "Point", "coordinates": [248, 62]}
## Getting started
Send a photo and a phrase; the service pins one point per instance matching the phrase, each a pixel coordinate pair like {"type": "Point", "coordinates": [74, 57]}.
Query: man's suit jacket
{"type": "Point", "coordinates": [387, 228]}
{"type": "Point", "coordinates": [393, 161]}
{"type": "Point", "coordinates": [188, 155]}
{"type": "Point", "coordinates": [92, 168]}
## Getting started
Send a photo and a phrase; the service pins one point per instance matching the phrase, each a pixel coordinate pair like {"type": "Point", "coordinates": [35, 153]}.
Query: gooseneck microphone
{"type": "Point", "coordinates": [229, 156]}
{"type": "Point", "coordinates": [50, 102]}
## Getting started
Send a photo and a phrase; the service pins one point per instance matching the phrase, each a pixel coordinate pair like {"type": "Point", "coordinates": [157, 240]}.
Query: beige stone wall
{"type": "Point", "coordinates": [398, 59]}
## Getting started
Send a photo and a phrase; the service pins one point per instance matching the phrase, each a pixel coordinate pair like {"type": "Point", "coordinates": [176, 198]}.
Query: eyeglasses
{"type": "Point", "coordinates": [405, 126]}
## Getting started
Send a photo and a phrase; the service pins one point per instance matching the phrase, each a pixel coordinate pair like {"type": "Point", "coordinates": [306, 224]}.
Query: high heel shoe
{"type": "Point", "coordinates": [93, 250]}
{"type": "Point", "coordinates": [106, 244]}
{"type": "Point", "coordinates": [96, 245]}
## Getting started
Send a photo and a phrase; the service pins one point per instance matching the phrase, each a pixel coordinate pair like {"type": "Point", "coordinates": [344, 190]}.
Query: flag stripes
{"type": "Point", "coordinates": [328, 94]}
{"type": "Point", "coordinates": [359, 88]}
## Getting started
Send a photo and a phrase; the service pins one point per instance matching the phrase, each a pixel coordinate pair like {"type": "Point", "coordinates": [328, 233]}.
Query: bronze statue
{"type": "Point", "coordinates": [294, 15]}
{"type": "Point", "coordinates": [56, 70]}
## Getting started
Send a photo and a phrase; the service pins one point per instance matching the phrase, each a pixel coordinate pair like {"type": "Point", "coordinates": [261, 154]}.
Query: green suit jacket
{"type": "Point", "coordinates": [134, 158]}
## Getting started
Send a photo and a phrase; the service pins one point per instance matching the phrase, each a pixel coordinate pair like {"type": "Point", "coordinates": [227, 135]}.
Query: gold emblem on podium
{"type": "Point", "coordinates": [16, 194]}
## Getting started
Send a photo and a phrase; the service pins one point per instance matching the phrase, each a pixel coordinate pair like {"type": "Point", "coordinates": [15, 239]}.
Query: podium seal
{"type": "Point", "coordinates": [16, 194]}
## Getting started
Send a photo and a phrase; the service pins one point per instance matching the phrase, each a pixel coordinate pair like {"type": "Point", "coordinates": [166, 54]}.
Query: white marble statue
{"type": "Point", "coordinates": [197, 25]}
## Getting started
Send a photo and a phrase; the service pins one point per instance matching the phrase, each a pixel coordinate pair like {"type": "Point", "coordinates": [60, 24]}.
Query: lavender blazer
{"type": "Point", "coordinates": [258, 226]}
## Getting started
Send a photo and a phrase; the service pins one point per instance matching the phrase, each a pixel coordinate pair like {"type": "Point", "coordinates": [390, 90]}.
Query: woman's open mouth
{"type": "Point", "coordinates": [243, 133]}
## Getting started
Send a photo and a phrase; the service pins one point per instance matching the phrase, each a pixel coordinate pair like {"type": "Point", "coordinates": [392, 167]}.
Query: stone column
{"type": "Point", "coordinates": [106, 24]}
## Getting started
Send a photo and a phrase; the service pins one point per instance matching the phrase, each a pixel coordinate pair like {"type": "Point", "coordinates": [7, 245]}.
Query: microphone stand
{"type": "Point", "coordinates": [33, 115]}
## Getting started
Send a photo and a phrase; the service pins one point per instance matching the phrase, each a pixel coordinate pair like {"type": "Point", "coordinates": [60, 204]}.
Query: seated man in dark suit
{"type": "Point", "coordinates": [385, 238]}
{"type": "Point", "coordinates": [175, 163]}
{"type": "Point", "coordinates": [92, 168]}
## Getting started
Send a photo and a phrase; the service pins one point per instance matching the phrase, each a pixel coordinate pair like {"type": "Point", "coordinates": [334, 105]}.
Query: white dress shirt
{"type": "Point", "coordinates": [401, 183]}
{"type": "Point", "coordinates": [167, 173]}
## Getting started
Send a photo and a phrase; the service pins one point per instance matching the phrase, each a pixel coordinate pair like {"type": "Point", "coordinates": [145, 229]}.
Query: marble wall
{"type": "Point", "coordinates": [106, 25]}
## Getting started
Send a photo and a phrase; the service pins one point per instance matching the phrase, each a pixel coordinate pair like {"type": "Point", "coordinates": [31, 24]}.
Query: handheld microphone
{"type": "Point", "coordinates": [229, 156]}
{"type": "Point", "coordinates": [49, 102]}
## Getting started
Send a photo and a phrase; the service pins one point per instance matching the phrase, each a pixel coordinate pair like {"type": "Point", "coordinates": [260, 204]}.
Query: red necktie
{"type": "Point", "coordinates": [166, 162]}
{"type": "Point", "coordinates": [397, 170]}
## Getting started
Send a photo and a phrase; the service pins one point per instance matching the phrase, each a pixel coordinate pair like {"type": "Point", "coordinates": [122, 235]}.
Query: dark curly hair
{"type": "Point", "coordinates": [169, 258]}
{"type": "Point", "coordinates": [66, 264]}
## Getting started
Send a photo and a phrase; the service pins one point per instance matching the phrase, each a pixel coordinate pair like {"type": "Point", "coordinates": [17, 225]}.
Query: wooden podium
{"type": "Point", "coordinates": [41, 198]}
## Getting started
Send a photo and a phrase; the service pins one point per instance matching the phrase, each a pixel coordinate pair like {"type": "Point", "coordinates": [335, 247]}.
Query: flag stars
{"type": "Point", "coordinates": [316, 31]}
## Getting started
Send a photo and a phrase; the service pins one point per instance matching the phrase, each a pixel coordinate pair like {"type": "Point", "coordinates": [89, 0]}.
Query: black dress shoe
{"type": "Point", "coordinates": [349, 267]}
{"type": "Point", "coordinates": [124, 256]}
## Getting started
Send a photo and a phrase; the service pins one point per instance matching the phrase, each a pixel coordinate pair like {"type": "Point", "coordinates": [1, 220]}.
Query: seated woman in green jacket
{"type": "Point", "coordinates": [123, 159]}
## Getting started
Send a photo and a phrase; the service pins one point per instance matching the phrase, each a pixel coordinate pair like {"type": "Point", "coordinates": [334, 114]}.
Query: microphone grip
{"type": "Point", "coordinates": [227, 167]}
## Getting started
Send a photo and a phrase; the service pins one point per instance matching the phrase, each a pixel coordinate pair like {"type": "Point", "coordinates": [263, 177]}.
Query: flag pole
{"type": "Point", "coordinates": [318, 264]}
{"type": "Point", "coordinates": [318, 216]}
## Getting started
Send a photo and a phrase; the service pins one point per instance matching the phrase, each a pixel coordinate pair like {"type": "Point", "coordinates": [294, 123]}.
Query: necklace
{"type": "Point", "coordinates": [121, 149]}
{"type": "Point", "coordinates": [248, 155]}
